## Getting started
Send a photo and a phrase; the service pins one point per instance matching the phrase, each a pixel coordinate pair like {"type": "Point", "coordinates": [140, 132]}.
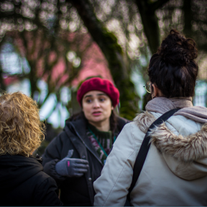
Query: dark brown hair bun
{"type": "Point", "coordinates": [173, 68]}
{"type": "Point", "coordinates": [176, 49]}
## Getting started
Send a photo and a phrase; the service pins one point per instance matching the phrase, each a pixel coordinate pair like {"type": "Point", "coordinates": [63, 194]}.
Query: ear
{"type": "Point", "coordinates": [112, 108]}
{"type": "Point", "coordinates": [156, 91]}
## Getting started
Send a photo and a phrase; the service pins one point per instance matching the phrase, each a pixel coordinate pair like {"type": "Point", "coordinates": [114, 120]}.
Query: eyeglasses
{"type": "Point", "coordinates": [148, 87]}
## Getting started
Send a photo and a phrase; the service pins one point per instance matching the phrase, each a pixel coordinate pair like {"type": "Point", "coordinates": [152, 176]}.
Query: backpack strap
{"type": "Point", "coordinates": [142, 154]}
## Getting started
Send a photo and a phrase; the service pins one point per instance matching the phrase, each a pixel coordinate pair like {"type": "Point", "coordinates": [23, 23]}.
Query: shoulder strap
{"type": "Point", "coordinates": [145, 147]}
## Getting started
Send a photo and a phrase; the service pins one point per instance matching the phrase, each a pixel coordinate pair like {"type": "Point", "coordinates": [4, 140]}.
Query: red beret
{"type": "Point", "coordinates": [99, 84]}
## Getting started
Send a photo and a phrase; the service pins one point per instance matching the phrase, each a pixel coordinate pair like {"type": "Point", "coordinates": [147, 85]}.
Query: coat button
{"type": "Point", "coordinates": [89, 179]}
{"type": "Point", "coordinates": [83, 156]}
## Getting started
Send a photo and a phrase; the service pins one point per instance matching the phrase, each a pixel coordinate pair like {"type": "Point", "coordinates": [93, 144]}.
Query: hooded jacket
{"type": "Point", "coordinates": [175, 169]}
{"type": "Point", "coordinates": [23, 182]}
{"type": "Point", "coordinates": [75, 191]}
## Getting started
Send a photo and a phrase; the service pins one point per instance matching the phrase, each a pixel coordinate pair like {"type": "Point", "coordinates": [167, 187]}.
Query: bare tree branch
{"type": "Point", "coordinates": [157, 5]}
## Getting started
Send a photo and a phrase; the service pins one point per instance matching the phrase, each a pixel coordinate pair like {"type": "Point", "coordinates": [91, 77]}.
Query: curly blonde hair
{"type": "Point", "coordinates": [21, 131]}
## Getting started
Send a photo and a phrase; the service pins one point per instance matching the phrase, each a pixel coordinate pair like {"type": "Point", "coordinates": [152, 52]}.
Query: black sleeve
{"type": "Point", "coordinates": [49, 168]}
{"type": "Point", "coordinates": [52, 155]}
{"type": "Point", "coordinates": [46, 193]}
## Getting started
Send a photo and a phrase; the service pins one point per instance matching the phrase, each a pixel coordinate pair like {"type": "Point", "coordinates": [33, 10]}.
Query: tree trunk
{"type": "Point", "coordinates": [188, 17]}
{"type": "Point", "coordinates": [114, 55]}
{"type": "Point", "coordinates": [150, 21]}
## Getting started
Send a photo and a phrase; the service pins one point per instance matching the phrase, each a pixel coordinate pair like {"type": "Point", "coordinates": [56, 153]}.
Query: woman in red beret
{"type": "Point", "coordinates": [76, 156]}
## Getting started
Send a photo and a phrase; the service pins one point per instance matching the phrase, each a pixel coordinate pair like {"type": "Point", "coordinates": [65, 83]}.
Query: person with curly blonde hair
{"type": "Point", "coordinates": [22, 180]}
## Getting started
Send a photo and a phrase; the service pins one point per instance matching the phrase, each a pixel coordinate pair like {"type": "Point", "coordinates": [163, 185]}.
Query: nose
{"type": "Point", "coordinates": [96, 104]}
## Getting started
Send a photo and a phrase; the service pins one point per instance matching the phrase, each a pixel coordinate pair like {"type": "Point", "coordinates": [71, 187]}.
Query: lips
{"type": "Point", "coordinates": [96, 113]}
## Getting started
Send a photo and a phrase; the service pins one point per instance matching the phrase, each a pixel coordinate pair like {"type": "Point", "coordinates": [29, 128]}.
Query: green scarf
{"type": "Point", "coordinates": [101, 140]}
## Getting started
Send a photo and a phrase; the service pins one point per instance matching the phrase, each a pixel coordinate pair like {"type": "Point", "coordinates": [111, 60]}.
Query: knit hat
{"type": "Point", "coordinates": [99, 84]}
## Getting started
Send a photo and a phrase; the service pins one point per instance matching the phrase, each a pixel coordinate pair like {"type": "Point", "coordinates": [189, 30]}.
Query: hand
{"type": "Point", "coordinates": [72, 167]}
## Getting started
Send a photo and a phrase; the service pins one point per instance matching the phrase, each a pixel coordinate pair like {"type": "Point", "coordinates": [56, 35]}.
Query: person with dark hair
{"type": "Point", "coordinates": [174, 170]}
{"type": "Point", "coordinates": [76, 156]}
{"type": "Point", "coordinates": [22, 179]}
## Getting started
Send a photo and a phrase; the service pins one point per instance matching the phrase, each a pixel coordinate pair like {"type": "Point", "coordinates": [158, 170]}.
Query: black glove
{"type": "Point", "coordinates": [71, 167]}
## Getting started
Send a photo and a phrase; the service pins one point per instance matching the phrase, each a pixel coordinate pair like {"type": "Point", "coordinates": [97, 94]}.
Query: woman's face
{"type": "Point", "coordinates": [97, 107]}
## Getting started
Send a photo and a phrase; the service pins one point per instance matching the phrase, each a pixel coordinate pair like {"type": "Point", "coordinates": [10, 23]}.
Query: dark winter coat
{"type": "Point", "coordinates": [75, 191]}
{"type": "Point", "coordinates": [23, 182]}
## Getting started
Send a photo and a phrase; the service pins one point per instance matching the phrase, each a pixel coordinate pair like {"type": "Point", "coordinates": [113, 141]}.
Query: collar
{"type": "Point", "coordinates": [80, 128]}
{"type": "Point", "coordinates": [98, 133]}
{"type": "Point", "coordinates": [163, 104]}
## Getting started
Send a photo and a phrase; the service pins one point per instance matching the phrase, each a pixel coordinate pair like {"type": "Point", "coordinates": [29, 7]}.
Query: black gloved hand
{"type": "Point", "coordinates": [71, 167]}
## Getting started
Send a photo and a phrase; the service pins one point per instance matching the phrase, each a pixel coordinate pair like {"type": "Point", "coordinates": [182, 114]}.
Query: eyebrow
{"type": "Point", "coordinates": [99, 94]}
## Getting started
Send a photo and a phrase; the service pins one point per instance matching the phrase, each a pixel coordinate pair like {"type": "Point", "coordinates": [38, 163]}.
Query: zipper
{"type": "Point", "coordinates": [86, 144]}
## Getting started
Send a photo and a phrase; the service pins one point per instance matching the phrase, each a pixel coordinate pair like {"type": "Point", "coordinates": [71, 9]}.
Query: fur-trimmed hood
{"type": "Point", "coordinates": [182, 142]}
